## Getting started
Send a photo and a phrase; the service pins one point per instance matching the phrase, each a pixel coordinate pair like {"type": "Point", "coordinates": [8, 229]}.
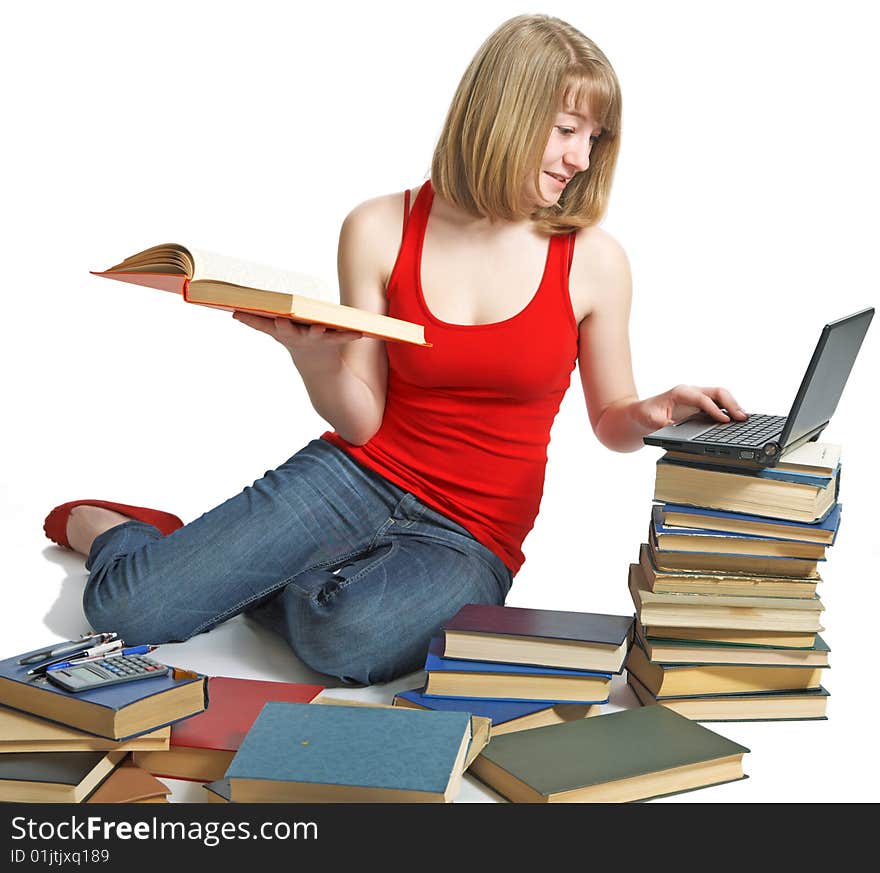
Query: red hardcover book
{"type": "Point", "coordinates": [202, 746]}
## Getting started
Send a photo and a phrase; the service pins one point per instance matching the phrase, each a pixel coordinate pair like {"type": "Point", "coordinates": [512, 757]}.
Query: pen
{"type": "Point", "coordinates": [131, 650]}
{"type": "Point", "coordinates": [88, 652]}
{"type": "Point", "coordinates": [68, 647]}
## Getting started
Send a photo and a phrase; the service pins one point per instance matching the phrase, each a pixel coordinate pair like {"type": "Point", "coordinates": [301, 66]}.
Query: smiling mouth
{"type": "Point", "coordinates": [559, 178]}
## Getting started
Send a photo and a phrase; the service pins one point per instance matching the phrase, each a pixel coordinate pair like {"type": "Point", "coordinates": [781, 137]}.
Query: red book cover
{"type": "Point", "coordinates": [174, 282]}
{"type": "Point", "coordinates": [233, 706]}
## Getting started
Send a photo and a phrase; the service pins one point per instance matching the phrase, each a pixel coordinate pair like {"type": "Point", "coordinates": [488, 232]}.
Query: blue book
{"type": "Point", "coordinates": [117, 712]}
{"type": "Point", "coordinates": [674, 555]}
{"type": "Point", "coordinates": [823, 531]}
{"type": "Point", "coordinates": [707, 541]}
{"type": "Point", "coordinates": [505, 715]}
{"type": "Point", "coordinates": [451, 677]}
{"type": "Point", "coordinates": [301, 752]}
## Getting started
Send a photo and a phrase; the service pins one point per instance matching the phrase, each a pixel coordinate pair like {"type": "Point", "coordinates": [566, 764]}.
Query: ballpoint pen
{"type": "Point", "coordinates": [131, 650]}
{"type": "Point", "coordinates": [66, 648]}
{"type": "Point", "coordinates": [101, 650]}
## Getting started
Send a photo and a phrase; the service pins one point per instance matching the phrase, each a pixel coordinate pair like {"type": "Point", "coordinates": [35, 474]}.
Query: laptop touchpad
{"type": "Point", "coordinates": [686, 430]}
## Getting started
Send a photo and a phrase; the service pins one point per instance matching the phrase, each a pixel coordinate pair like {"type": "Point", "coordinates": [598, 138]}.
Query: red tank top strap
{"type": "Point", "coordinates": [405, 214]}
{"type": "Point", "coordinates": [563, 273]}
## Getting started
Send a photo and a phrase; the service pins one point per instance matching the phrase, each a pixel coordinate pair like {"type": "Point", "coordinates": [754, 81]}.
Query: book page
{"type": "Point", "coordinates": [209, 265]}
{"type": "Point", "coordinates": [814, 454]}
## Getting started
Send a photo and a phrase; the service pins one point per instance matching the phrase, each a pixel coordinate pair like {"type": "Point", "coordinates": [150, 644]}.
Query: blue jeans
{"type": "Point", "coordinates": [355, 573]}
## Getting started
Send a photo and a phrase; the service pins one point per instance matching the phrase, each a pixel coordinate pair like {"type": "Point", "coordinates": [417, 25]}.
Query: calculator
{"type": "Point", "coordinates": [106, 671]}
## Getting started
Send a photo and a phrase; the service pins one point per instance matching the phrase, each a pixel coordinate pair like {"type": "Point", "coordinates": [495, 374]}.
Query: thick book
{"type": "Point", "coordinates": [706, 486]}
{"type": "Point", "coordinates": [130, 784]}
{"type": "Point", "coordinates": [20, 732]}
{"type": "Point", "coordinates": [672, 609]}
{"type": "Point", "coordinates": [685, 680]}
{"type": "Point", "coordinates": [733, 636]}
{"type": "Point", "coordinates": [759, 565]}
{"type": "Point", "coordinates": [782, 706]}
{"type": "Point", "coordinates": [823, 532]}
{"type": "Point", "coordinates": [480, 724]}
{"type": "Point", "coordinates": [54, 777]}
{"type": "Point", "coordinates": [452, 677]}
{"type": "Point", "coordinates": [630, 755]}
{"type": "Point", "coordinates": [504, 715]}
{"type": "Point", "coordinates": [228, 283]}
{"type": "Point", "coordinates": [305, 753]}
{"type": "Point", "coordinates": [116, 711]}
{"type": "Point", "coordinates": [671, 651]}
{"type": "Point", "coordinates": [540, 637]}
{"type": "Point", "coordinates": [721, 581]}
{"type": "Point", "coordinates": [690, 539]}
{"type": "Point", "coordinates": [203, 746]}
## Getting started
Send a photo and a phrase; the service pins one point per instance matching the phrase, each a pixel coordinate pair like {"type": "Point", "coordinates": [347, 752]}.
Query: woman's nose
{"type": "Point", "coordinates": [579, 159]}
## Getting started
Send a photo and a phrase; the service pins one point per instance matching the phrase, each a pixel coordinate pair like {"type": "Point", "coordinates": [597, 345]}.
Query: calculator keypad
{"type": "Point", "coordinates": [108, 671]}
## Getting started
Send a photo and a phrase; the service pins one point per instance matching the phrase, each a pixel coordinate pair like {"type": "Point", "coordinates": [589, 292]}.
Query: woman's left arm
{"type": "Point", "coordinates": [601, 277]}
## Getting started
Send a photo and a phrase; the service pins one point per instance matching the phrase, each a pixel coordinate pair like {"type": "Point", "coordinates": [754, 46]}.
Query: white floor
{"type": "Point", "coordinates": [242, 648]}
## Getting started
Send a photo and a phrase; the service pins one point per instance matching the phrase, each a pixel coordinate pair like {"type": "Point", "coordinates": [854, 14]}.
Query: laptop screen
{"type": "Point", "coordinates": [829, 369]}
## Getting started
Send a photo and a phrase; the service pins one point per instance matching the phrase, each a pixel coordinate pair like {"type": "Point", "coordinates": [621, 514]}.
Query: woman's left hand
{"type": "Point", "coordinates": [683, 401]}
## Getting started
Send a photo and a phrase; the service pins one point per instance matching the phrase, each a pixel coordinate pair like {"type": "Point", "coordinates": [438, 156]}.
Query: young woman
{"type": "Point", "coordinates": [361, 545]}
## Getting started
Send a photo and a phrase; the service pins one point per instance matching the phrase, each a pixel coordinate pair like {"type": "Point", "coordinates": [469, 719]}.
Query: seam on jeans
{"type": "Point", "coordinates": [289, 580]}
{"type": "Point", "coordinates": [413, 515]}
{"type": "Point", "coordinates": [415, 510]}
{"type": "Point", "coordinates": [235, 610]}
{"type": "Point", "coordinates": [337, 559]}
{"type": "Point", "coordinates": [345, 582]}
{"type": "Point", "coordinates": [341, 559]}
{"type": "Point", "coordinates": [467, 545]}
{"type": "Point", "coordinates": [380, 532]}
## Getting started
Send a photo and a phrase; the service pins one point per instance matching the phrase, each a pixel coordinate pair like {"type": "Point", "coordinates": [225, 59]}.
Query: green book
{"type": "Point", "coordinates": [672, 651]}
{"type": "Point", "coordinates": [54, 777]}
{"type": "Point", "coordinates": [633, 754]}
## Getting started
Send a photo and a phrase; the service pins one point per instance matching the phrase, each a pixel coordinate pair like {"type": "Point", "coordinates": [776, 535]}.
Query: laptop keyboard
{"type": "Point", "coordinates": [755, 431]}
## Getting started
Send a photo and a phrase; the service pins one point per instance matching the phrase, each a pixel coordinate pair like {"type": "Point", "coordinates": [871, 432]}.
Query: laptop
{"type": "Point", "coordinates": [762, 439]}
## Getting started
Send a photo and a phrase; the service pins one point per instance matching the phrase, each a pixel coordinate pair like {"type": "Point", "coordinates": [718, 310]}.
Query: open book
{"type": "Point", "coordinates": [228, 283]}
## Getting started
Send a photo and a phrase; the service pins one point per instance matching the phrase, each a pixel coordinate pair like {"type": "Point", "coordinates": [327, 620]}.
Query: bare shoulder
{"type": "Point", "coordinates": [600, 273]}
{"type": "Point", "coordinates": [371, 232]}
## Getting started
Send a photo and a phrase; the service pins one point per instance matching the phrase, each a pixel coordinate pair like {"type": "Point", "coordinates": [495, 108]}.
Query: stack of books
{"type": "Point", "coordinates": [522, 668]}
{"type": "Point", "coordinates": [725, 589]}
{"type": "Point", "coordinates": [61, 747]}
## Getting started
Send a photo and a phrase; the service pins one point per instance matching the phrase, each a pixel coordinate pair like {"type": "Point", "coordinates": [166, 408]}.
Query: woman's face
{"type": "Point", "coordinates": [567, 153]}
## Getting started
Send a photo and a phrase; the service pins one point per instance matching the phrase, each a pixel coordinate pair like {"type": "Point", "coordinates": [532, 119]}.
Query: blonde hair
{"type": "Point", "coordinates": [528, 70]}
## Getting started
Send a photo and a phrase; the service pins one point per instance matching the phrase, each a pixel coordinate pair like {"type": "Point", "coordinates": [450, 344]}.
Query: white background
{"type": "Point", "coordinates": [746, 197]}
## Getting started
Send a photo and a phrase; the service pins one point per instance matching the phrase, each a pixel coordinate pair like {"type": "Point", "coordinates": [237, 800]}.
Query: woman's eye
{"type": "Point", "coordinates": [567, 131]}
{"type": "Point", "coordinates": [594, 139]}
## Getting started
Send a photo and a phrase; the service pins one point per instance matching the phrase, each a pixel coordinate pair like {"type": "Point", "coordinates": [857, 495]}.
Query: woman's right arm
{"type": "Point", "coordinates": [346, 374]}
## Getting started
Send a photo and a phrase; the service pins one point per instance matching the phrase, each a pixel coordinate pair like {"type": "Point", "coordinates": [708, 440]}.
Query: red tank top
{"type": "Point", "coordinates": [467, 422]}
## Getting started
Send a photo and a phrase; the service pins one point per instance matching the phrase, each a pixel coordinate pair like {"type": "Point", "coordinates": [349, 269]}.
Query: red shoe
{"type": "Point", "coordinates": [55, 524]}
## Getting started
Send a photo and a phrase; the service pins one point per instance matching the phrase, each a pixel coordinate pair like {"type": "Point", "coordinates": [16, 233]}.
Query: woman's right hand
{"type": "Point", "coordinates": [309, 340]}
